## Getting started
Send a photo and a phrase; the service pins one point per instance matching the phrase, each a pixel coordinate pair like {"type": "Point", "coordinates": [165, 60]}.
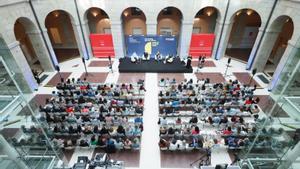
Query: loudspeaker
{"type": "Point", "coordinates": [229, 60]}
{"type": "Point", "coordinates": [254, 71]}
{"type": "Point", "coordinates": [57, 68]}
{"type": "Point", "coordinates": [83, 60]}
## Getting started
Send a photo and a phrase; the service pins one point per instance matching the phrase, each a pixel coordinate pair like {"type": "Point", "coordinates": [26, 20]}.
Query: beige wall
{"type": "Point", "coordinates": [134, 22]}
{"type": "Point", "coordinates": [170, 21]}
{"type": "Point", "coordinates": [205, 23]}
{"type": "Point", "coordinates": [25, 43]}
{"type": "Point", "coordinates": [284, 36]}
{"type": "Point", "coordinates": [241, 22]}
{"type": "Point", "coordinates": [97, 23]}
{"type": "Point", "coordinates": [63, 23]}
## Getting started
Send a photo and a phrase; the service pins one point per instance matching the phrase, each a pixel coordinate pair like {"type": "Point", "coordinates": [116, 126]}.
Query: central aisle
{"type": "Point", "coordinates": [150, 153]}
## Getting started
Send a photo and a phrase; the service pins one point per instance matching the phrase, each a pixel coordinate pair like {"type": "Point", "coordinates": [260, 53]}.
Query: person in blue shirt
{"type": "Point", "coordinates": [138, 120]}
{"type": "Point", "coordinates": [136, 131]}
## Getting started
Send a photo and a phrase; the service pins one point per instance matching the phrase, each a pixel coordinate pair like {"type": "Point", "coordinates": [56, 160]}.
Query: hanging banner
{"type": "Point", "coordinates": [202, 45]}
{"type": "Point", "coordinates": [102, 45]}
{"type": "Point", "coordinates": [138, 44]}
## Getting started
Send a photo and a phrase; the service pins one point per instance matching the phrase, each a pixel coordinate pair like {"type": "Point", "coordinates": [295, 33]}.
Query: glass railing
{"type": "Point", "coordinates": [22, 134]}
{"type": "Point", "coordinates": [276, 135]}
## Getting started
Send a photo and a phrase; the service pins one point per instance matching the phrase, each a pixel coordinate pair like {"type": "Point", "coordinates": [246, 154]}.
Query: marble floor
{"type": "Point", "coordinates": [149, 156]}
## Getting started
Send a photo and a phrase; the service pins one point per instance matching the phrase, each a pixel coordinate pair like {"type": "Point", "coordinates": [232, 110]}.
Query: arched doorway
{"type": "Point", "coordinates": [281, 32]}
{"type": "Point", "coordinates": [134, 21]}
{"type": "Point", "coordinates": [98, 21]}
{"type": "Point", "coordinates": [243, 34]}
{"type": "Point", "coordinates": [169, 21]}
{"type": "Point", "coordinates": [203, 34]}
{"type": "Point", "coordinates": [31, 47]}
{"type": "Point", "coordinates": [205, 20]}
{"type": "Point", "coordinates": [61, 34]}
{"type": "Point", "coordinates": [99, 32]}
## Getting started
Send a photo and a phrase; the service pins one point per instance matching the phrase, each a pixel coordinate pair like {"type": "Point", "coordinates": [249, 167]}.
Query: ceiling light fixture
{"type": "Point", "coordinates": [238, 13]}
{"type": "Point", "coordinates": [209, 11]}
{"type": "Point", "coordinates": [249, 12]}
{"type": "Point", "coordinates": [56, 13]}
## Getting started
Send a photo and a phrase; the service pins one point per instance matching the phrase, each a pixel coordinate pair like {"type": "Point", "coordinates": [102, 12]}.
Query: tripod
{"type": "Point", "coordinates": [204, 160]}
{"type": "Point", "coordinates": [227, 66]}
{"type": "Point", "coordinates": [86, 72]}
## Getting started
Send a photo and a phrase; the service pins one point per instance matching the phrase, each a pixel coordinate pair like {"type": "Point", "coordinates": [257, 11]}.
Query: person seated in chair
{"type": "Point", "coordinates": [157, 57]}
{"type": "Point", "coordinates": [127, 144]}
{"type": "Point", "coordinates": [146, 56]}
{"type": "Point", "coordinates": [163, 144]}
{"type": "Point", "coordinates": [134, 58]}
{"type": "Point", "coordinates": [172, 145]}
{"type": "Point", "coordinates": [83, 143]}
{"type": "Point", "coordinates": [136, 143]}
{"type": "Point", "coordinates": [169, 59]}
{"type": "Point", "coordinates": [188, 62]}
{"type": "Point", "coordinates": [119, 144]}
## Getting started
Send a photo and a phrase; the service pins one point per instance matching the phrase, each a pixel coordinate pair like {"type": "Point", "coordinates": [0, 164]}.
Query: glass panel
{"type": "Point", "coordinates": [25, 140]}
{"type": "Point", "coordinates": [277, 129]}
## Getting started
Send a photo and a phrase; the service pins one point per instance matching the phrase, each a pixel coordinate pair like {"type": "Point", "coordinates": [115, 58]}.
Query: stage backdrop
{"type": "Point", "coordinates": [202, 44]}
{"type": "Point", "coordinates": [151, 44]}
{"type": "Point", "coordinates": [102, 45]}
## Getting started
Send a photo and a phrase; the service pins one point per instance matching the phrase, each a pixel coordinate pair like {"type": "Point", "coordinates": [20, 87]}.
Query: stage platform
{"type": "Point", "coordinates": [153, 66]}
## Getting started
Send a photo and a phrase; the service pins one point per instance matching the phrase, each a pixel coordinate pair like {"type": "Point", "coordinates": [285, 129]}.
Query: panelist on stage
{"type": "Point", "coordinates": [146, 56]}
{"type": "Point", "coordinates": [168, 59]}
{"type": "Point", "coordinates": [157, 56]}
{"type": "Point", "coordinates": [134, 58]}
{"type": "Point", "coordinates": [189, 62]}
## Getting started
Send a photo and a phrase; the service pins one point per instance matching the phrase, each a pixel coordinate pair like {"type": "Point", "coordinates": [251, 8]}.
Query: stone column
{"type": "Point", "coordinates": [118, 38]}
{"type": "Point", "coordinates": [151, 28]}
{"type": "Point", "coordinates": [217, 37]}
{"type": "Point", "coordinates": [289, 52]}
{"type": "Point", "coordinates": [290, 157]}
{"type": "Point", "coordinates": [11, 153]}
{"type": "Point", "coordinates": [254, 48]}
{"type": "Point", "coordinates": [23, 73]}
{"type": "Point", "coordinates": [86, 31]}
{"type": "Point", "coordinates": [224, 38]}
{"type": "Point", "coordinates": [80, 40]}
{"type": "Point", "coordinates": [49, 44]}
{"type": "Point", "coordinates": [185, 38]}
{"type": "Point", "coordinates": [264, 50]}
{"type": "Point", "coordinates": [41, 50]}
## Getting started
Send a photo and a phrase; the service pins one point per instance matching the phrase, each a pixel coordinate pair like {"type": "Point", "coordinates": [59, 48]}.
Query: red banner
{"type": "Point", "coordinates": [102, 45]}
{"type": "Point", "coordinates": [202, 44]}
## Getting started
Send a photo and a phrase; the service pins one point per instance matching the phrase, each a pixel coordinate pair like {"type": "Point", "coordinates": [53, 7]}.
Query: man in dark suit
{"type": "Point", "coordinates": [189, 62]}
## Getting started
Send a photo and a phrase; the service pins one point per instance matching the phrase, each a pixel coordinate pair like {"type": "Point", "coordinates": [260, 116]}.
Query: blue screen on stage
{"type": "Point", "coordinates": [166, 45]}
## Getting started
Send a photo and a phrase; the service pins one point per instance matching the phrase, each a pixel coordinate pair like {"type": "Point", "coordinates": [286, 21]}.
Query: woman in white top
{"type": "Point", "coordinates": [173, 145]}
